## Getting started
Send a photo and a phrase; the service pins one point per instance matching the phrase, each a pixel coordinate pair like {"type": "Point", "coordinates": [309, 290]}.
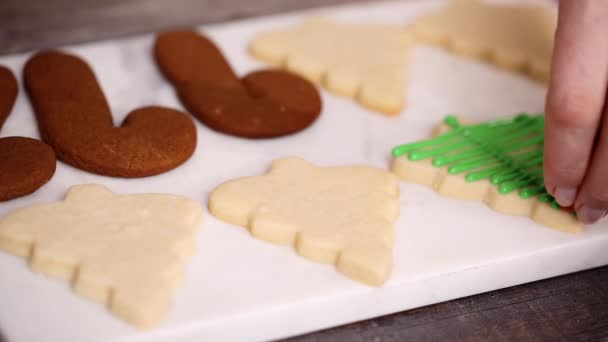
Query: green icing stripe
{"type": "Point", "coordinates": [508, 153]}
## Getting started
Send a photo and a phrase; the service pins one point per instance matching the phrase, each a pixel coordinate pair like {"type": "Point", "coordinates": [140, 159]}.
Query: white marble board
{"type": "Point", "coordinates": [241, 289]}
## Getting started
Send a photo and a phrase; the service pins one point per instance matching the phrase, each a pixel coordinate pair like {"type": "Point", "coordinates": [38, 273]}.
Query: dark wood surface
{"type": "Point", "coordinates": [567, 308]}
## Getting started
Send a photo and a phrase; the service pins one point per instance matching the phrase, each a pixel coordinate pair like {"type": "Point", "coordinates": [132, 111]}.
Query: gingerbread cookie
{"type": "Point", "coordinates": [75, 119]}
{"type": "Point", "coordinates": [335, 215]}
{"type": "Point", "coordinates": [124, 251]}
{"type": "Point", "coordinates": [263, 104]}
{"type": "Point", "coordinates": [498, 163]}
{"type": "Point", "coordinates": [517, 37]}
{"type": "Point", "coordinates": [25, 164]}
{"type": "Point", "coordinates": [8, 93]}
{"type": "Point", "coordinates": [364, 61]}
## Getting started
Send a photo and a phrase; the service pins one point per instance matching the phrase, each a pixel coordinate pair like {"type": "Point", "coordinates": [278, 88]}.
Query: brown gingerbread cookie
{"type": "Point", "coordinates": [8, 93]}
{"type": "Point", "coordinates": [25, 164]}
{"type": "Point", "coordinates": [263, 104]}
{"type": "Point", "coordinates": [75, 119]}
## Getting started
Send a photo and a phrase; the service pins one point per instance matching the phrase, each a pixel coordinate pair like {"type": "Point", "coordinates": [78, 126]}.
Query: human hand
{"type": "Point", "coordinates": [576, 131]}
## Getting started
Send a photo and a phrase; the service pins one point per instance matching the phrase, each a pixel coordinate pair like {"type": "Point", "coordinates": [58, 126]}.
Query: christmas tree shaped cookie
{"type": "Point", "coordinates": [336, 215]}
{"type": "Point", "coordinates": [364, 61]}
{"type": "Point", "coordinates": [124, 251]}
{"type": "Point", "coordinates": [516, 36]}
{"type": "Point", "coordinates": [498, 162]}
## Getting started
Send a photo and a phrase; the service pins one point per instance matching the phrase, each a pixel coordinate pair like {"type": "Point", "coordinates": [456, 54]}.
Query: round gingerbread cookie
{"type": "Point", "coordinates": [27, 164]}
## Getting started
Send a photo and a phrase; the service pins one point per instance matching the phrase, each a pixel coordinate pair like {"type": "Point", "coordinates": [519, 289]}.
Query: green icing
{"type": "Point", "coordinates": [508, 153]}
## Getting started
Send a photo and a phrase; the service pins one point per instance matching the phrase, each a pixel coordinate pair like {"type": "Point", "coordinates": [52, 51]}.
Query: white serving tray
{"type": "Point", "coordinates": [241, 289]}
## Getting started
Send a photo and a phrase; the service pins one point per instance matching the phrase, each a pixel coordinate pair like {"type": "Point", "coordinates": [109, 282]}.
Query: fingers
{"type": "Point", "coordinates": [592, 202]}
{"type": "Point", "coordinates": [576, 96]}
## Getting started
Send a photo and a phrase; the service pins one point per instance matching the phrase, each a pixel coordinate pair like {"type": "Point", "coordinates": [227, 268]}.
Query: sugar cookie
{"type": "Point", "coordinates": [336, 215]}
{"type": "Point", "coordinates": [125, 251]}
{"type": "Point", "coordinates": [517, 37]}
{"type": "Point", "coordinates": [364, 61]}
{"type": "Point", "coordinates": [499, 163]}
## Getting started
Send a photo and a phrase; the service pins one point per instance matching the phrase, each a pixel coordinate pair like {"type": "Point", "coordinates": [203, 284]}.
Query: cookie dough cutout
{"type": "Point", "coordinates": [75, 119]}
{"type": "Point", "coordinates": [336, 215]}
{"type": "Point", "coordinates": [125, 251]}
{"type": "Point", "coordinates": [263, 104]}
{"type": "Point", "coordinates": [455, 186]}
{"type": "Point", "coordinates": [25, 164]}
{"type": "Point", "coordinates": [367, 62]}
{"type": "Point", "coordinates": [517, 37]}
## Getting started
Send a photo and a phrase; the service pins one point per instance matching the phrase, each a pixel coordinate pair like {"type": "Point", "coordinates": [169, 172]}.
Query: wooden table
{"type": "Point", "coordinates": [568, 308]}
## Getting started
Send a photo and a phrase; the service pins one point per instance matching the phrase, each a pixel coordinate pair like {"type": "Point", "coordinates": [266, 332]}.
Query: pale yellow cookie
{"type": "Point", "coordinates": [336, 215]}
{"type": "Point", "coordinates": [364, 61]}
{"type": "Point", "coordinates": [455, 186]}
{"type": "Point", "coordinates": [517, 37]}
{"type": "Point", "coordinates": [125, 251]}
{"type": "Point", "coordinates": [557, 219]}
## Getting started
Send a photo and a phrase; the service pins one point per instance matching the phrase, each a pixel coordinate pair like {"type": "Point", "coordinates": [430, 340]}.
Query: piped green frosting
{"type": "Point", "coordinates": [508, 153]}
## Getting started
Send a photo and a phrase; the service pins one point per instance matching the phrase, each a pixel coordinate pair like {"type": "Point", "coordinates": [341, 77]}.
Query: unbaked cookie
{"type": "Point", "coordinates": [499, 163]}
{"type": "Point", "coordinates": [124, 251]}
{"type": "Point", "coordinates": [336, 215]}
{"type": "Point", "coordinates": [364, 61]}
{"type": "Point", "coordinates": [517, 36]}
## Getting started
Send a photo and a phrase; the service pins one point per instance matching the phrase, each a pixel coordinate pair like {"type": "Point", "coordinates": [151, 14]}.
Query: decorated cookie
{"type": "Point", "coordinates": [363, 61]}
{"type": "Point", "coordinates": [517, 36]}
{"type": "Point", "coordinates": [25, 164]}
{"type": "Point", "coordinates": [499, 163]}
{"type": "Point", "coordinates": [124, 251]}
{"type": "Point", "coordinates": [263, 104]}
{"type": "Point", "coordinates": [75, 119]}
{"type": "Point", "coordinates": [335, 215]}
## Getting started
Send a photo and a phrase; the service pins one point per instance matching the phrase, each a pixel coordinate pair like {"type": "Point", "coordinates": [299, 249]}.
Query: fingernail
{"type": "Point", "coordinates": [565, 196]}
{"type": "Point", "coordinates": [590, 215]}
